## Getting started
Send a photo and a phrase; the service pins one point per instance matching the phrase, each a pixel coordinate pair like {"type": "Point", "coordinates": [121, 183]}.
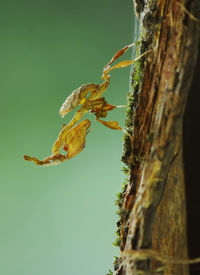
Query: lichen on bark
{"type": "Point", "coordinates": [154, 197]}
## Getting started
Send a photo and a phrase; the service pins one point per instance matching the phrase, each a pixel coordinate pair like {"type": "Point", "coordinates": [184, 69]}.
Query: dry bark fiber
{"type": "Point", "coordinates": [153, 205]}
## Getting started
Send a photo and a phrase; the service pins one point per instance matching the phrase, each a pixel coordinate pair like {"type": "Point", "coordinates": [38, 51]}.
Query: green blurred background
{"type": "Point", "coordinates": [58, 220]}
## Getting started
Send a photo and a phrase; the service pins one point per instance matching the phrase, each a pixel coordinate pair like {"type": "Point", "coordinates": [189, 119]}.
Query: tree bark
{"type": "Point", "coordinates": [153, 203]}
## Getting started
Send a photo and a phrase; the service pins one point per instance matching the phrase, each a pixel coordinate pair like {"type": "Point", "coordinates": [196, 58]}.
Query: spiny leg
{"type": "Point", "coordinates": [118, 54]}
{"type": "Point", "coordinates": [102, 88]}
{"type": "Point", "coordinates": [100, 104]}
{"type": "Point", "coordinates": [121, 64]}
{"type": "Point", "coordinates": [101, 113]}
{"type": "Point", "coordinates": [110, 124]}
{"type": "Point", "coordinates": [56, 159]}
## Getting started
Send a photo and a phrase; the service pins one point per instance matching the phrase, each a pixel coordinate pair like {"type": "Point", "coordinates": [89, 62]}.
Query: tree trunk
{"type": "Point", "coordinates": [153, 202]}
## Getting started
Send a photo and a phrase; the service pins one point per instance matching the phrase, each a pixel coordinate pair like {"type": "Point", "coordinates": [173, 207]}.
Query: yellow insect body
{"type": "Point", "coordinates": [72, 136]}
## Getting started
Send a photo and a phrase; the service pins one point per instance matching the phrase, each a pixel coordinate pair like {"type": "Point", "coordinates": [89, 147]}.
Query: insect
{"type": "Point", "coordinates": [89, 97]}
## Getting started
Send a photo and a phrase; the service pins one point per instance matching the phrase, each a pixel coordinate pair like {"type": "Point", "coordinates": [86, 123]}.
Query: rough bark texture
{"type": "Point", "coordinates": [153, 204]}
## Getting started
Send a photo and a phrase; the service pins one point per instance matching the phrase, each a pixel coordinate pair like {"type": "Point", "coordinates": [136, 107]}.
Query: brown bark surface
{"type": "Point", "coordinates": [154, 200]}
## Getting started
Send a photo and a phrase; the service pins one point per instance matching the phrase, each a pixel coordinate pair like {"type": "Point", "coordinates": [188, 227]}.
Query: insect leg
{"type": "Point", "coordinates": [47, 161]}
{"type": "Point", "coordinates": [121, 64]}
{"type": "Point", "coordinates": [110, 124]}
{"type": "Point", "coordinates": [118, 54]}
